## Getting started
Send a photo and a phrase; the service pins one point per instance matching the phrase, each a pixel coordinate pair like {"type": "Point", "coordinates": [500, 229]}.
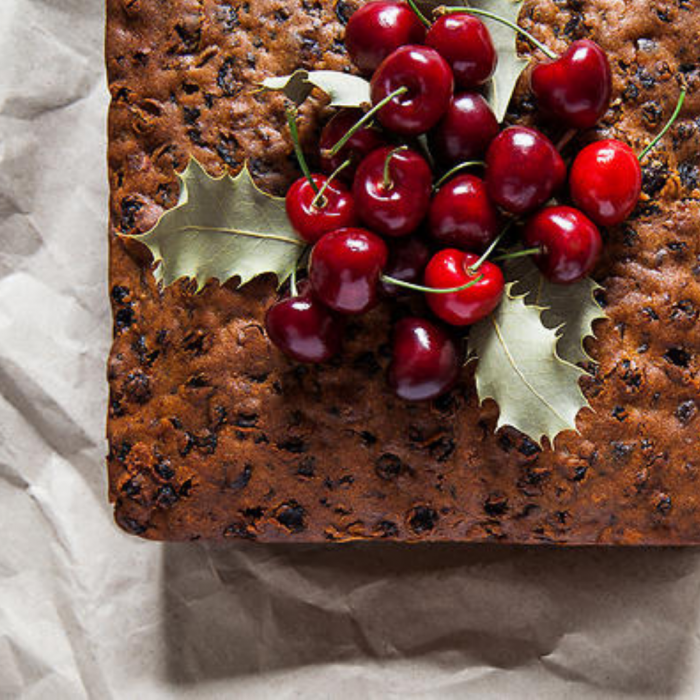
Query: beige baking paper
{"type": "Point", "coordinates": [89, 612]}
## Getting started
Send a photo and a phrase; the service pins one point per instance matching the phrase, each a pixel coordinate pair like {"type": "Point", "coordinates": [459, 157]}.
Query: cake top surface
{"type": "Point", "coordinates": [214, 434]}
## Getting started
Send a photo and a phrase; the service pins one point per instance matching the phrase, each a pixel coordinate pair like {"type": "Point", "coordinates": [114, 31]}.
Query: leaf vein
{"type": "Point", "coordinates": [518, 371]}
{"type": "Point", "coordinates": [242, 232]}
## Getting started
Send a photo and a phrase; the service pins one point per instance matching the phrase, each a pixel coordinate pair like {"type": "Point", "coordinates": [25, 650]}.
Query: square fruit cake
{"type": "Point", "coordinates": [218, 433]}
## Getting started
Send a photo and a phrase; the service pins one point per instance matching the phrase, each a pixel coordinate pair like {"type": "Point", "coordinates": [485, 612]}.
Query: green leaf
{"type": "Point", "coordinates": [510, 66]}
{"type": "Point", "coordinates": [344, 89]}
{"type": "Point", "coordinates": [571, 308]}
{"type": "Point", "coordinates": [500, 88]}
{"type": "Point", "coordinates": [222, 228]}
{"type": "Point", "coordinates": [538, 393]}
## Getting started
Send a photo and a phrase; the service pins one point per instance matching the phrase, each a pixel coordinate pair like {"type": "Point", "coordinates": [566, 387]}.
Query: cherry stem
{"type": "Point", "coordinates": [293, 283]}
{"type": "Point", "coordinates": [419, 14]}
{"type": "Point", "coordinates": [669, 124]}
{"type": "Point", "coordinates": [566, 139]}
{"type": "Point", "coordinates": [429, 290]}
{"type": "Point", "coordinates": [294, 131]}
{"type": "Point", "coordinates": [455, 170]}
{"type": "Point", "coordinates": [518, 254]}
{"type": "Point", "coordinates": [319, 200]}
{"type": "Point", "coordinates": [516, 28]}
{"type": "Point", "coordinates": [365, 118]}
{"type": "Point", "coordinates": [489, 250]}
{"type": "Point", "coordinates": [387, 181]}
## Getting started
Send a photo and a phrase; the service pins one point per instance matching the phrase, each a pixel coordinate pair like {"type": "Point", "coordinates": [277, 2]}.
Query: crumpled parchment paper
{"type": "Point", "coordinates": [89, 612]}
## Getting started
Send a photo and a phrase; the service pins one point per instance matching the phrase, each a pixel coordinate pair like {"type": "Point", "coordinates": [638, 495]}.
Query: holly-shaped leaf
{"type": "Point", "coordinates": [570, 308]}
{"type": "Point", "coordinates": [537, 392]}
{"type": "Point", "coordinates": [343, 89]}
{"type": "Point", "coordinates": [500, 88]}
{"type": "Point", "coordinates": [510, 67]}
{"type": "Point", "coordinates": [222, 228]}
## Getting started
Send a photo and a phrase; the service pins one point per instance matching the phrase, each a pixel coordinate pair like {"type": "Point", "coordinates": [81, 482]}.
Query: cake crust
{"type": "Point", "coordinates": [214, 434]}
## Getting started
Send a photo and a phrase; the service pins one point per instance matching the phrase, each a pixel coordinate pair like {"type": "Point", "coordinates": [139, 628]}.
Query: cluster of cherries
{"type": "Point", "coordinates": [426, 223]}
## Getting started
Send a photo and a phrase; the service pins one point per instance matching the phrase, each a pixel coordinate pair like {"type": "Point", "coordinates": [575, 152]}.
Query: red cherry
{"type": "Point", "coordinates": [408, 257]}
{"type": "Point", "coordinates": [570, 243]}
{"type": "Point", "coordinates": [575, 88]}
{"type": "Point", "coordinates": [523, 169]}
{"type": "Point", "coordinates": [378, 28]}
{"type": "Point", "coordinates": [462, 215]}
{"type": "Point", "coordinates": [606, 181]}
{"type": "Point", "coordinates": [361, 143]}
{"type": "Point", "coordinates": [429, 83]}
{"type": "Point", "coordinates": [465, 43]}
{"type": "Point", "coordinates": [305, 330]}
{"type": "Point", "coordinates": [345, 267]}
{"type": "Point", "coordinates": [425, 360]}
{"type": "Point", "coordinates": [466, 130]}
{"type": "Point", "coordinates": [451, 268]}
{"type": "Point", "coordinates": [397, 207]}
{"type": "Point", "coordinates": [336, 208]}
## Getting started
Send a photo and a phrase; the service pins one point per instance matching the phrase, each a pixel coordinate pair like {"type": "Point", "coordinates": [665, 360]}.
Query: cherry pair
{"type": "Point", "coordinates": [390, 194]}
{"type": "Point", "coordinates": [380, 27]}
{"type": "Point", "coordinates": [565, 244]}
{"type": "Point", "coordinates": [574, 88]}
{"type": "Point", "coordinates": [346, 268]}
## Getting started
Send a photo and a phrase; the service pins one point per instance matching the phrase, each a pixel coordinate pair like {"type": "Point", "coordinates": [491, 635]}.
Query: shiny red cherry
{"type": "Point", "coordinates": [606, 181]}
{"type": "Point", "coordinates": [428, 82]}
{"type": "Point", "coordinates": [378, 28]}
{"type": "Point", "coordinates": [466, 130]}
{"type": "Point", "coordinates": [392, 198]}
{"type": "Point", "coordinates": [451, 268]}
{"type": "Point", "coordinates": [335, 208]}
{"type": "Point", "coordinates": [462, 215]}
{"type": "Point", "coordinates": [465, 43]}
{"type": "Point", "coordinates": [570, 243]}
{"type": "Point", "coordinates": [576, 87]}
{"type": "Point", "coordinates": [360, 144]}
{"type": "Point", "coordinates": [424, 360]}
{"type": "Point", "coordinates": [408, 257]}
{"type": "Point", "coordinates": [523, 169]}
{"type": "Point", "coordinates": [345, 267]}
{"type": "Point", "coordinates": [304, 329]}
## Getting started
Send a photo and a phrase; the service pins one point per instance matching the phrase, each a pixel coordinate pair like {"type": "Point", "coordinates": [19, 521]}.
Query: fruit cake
{"type": "Point", "coordinates": [215, 434]}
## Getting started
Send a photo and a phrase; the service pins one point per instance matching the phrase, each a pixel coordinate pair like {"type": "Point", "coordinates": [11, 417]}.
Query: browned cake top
{"type": "Point", "coordinates": [214, 434]}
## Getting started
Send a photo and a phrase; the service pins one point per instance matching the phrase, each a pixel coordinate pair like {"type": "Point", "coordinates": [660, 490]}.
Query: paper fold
{"type": "Point", "coordinates": [89, 612]}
